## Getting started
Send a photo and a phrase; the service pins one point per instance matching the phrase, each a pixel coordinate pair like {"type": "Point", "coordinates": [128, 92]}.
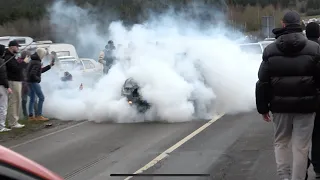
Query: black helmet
{"type": "Point", "coordinates": [67, 76]}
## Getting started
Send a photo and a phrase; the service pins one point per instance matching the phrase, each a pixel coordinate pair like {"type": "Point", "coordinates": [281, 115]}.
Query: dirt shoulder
{"type": "Point", "coordinates": [33, 129]}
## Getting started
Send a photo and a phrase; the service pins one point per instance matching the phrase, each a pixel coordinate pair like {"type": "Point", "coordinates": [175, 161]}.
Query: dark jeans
{"type": "Point", "coordinates": [25, 94]}
{"type": "Point", "coordinates": [35, 90]}
{"type": "Point", "coordinates": [106, 69]}
{"type": "Point", "coordinates": [315, 149]}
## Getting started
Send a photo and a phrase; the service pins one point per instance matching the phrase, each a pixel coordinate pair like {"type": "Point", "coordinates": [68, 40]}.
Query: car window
{"type": "Point", "coordinates": [88, 64]}
{"type": "Point", "coordinates": [9, 173]}
{"type": "Point", "coordinates": [62, 53]}
{"type": "Point", "coordinates": [79, 65]}
{"type": "Point", "coordinates": [67, 65]}
{"type": "Point", "coordinates": [251, 48]}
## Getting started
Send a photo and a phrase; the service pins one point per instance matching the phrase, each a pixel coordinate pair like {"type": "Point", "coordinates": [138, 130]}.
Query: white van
{"type": "Point", "coordinates": [22, 40]}
{"type": "Point", "coordinates": [63, 50]}
{"type": "Point", "coordinates": [60, 48]}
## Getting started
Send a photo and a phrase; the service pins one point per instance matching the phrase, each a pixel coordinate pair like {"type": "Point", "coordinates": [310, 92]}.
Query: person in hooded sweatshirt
{"type": "Point", "coordinates": [4, 91]}
{"type": "Point", "coordinates": [313, 34]}
{"type": "Point", "coordinates": [34, 71]}
{"type": "Point", "coordinates": [289, 79]}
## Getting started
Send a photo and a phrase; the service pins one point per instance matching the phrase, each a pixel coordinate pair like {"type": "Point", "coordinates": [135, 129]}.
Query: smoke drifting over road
{"type": "Point", "coordinates": [184, 71]}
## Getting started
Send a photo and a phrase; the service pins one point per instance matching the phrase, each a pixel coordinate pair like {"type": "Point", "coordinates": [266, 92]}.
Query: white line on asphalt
{"type": "Point", "coordinates": [46, 135]}
{"type": "Point", "coordinates": [177, 145]}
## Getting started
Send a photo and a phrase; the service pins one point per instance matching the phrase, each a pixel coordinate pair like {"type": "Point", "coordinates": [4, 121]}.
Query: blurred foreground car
{"type": "Point", "coordinates": [14, 166]}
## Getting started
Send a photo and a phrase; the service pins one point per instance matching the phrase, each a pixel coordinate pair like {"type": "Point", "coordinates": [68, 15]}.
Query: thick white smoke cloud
{"type": "Point", "coordinates": [174, 62]}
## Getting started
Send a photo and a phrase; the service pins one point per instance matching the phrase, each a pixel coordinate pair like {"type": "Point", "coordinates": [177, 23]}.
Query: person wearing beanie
{"type": "Point", "coordinates": [34, 71]}
{"type": "Point", "coordinates": [24, 57]}
{"type": "Point", "coordinates": [15, 78]}
{"type": "Point", "coordinates": [313, 32]}
{"type": "Point", "coordinates": [4, 91]}
{"type": "Point", "coordinates": [289, 79]}
{"type": "Point", "coordinates": [106, 56]}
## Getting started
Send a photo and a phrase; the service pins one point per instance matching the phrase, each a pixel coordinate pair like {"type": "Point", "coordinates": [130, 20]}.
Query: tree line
{"type": "Point", "coordinates": [16, 12]}
{"type": "Point", "coordinates": [131, 9]}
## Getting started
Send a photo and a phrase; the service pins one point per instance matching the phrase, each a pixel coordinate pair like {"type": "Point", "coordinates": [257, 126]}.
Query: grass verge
{"type": "Point", "coordinates": [30, 127]}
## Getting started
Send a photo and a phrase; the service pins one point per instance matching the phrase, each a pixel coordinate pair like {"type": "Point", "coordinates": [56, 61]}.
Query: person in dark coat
{"type": "Point", "coordinates": [25, 55]}
{"type": "Point", "coordinates": [34, 71]}
{"type": "Point", "coordinates": [4, 91]}
{"type": "Point", "coordinates": [289, 79]}
{"type": "Point", "coordinates": [106, 57]}
{"type": "Point", "coordinates": [313, 34]}
{"type": "Point", "coordinates": [15, 78]}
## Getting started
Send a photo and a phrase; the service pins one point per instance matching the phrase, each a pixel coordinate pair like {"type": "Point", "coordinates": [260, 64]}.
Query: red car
{"type": "Point", "coordinates": [14, 166]}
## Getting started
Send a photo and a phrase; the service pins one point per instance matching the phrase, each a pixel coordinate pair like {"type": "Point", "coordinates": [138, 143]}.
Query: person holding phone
{"type": "Point", "coordinates": [34, 71]}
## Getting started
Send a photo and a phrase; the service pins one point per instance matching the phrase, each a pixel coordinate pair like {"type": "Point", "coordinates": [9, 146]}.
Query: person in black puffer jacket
{"type": "Point", "coordinates": [288, 87]}
{"type": "Point", "coordinates": [34, 71]}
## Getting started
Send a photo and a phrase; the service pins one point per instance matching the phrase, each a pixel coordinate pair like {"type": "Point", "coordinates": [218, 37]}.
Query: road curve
{"type": "Point", "coordinates": [235, 147]}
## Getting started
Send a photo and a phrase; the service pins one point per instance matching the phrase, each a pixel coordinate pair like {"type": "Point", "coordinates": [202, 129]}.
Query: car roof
{"type": "Point", "coordinates": [66, 57]}
{"type": "Point", "coordinates": [248, 44]}
{"type": "Point", "coordinates": [10, 157]}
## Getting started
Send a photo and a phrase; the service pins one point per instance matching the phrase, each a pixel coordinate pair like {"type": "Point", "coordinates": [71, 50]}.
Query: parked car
{"type": "Point", "coordinates": [14, 166]}
{"type": "Point", "coordinates": [87, 67]}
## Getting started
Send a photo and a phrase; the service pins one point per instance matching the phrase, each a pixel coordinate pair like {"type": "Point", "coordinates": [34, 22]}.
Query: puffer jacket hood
{"type": "Point", "coordinates": [35, 57]}
{"type": "Point", "coordinates": [291, 43]}
{"type": "Point", "coordinates": [290, 39]}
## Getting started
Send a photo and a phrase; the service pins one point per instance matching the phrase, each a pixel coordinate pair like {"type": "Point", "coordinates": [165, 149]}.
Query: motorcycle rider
{"type": "Point", "coordinates": [106, 56]}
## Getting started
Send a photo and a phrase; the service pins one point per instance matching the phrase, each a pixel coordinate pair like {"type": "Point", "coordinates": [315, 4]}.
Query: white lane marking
{"type": "Point", "coordinates": [177, 145]}
{"type": "Point", "coordinates": [46, 135]}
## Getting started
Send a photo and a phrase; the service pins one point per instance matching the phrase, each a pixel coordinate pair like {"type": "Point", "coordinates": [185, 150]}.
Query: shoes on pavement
{"type": "Point", "coordinates": [4, 130]}
{"type": "Point", "coordinates": [17, 126]}
{"type": "Point", "coordinates": [41, 118]}
{"type": "Point", "coordinates": [31, 118]}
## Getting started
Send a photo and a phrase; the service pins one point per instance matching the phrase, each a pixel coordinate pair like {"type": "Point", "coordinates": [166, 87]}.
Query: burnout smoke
{"type": "Point", "coordinates": [185, 72]}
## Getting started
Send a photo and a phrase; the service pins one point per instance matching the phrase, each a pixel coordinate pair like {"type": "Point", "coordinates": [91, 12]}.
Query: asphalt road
{"type": "Point", "coordinates": [235, 147]}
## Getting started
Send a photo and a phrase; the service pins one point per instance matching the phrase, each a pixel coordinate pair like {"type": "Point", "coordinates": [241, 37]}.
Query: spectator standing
{"type": "Point", "coordinates": [25, 57]}
{"type": "Point", "coordinates": [106, 56]}
{"type": "Point", "coordinates": [4, 90]}
{"type": "Point", "coordinates": [34, 71]}
{"type": "Point", "coordinates": [15, 77]}
{"type": "Point", "coordinates": [288, 87]}
{"type": "Point", "coordinates": [313, 34]}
